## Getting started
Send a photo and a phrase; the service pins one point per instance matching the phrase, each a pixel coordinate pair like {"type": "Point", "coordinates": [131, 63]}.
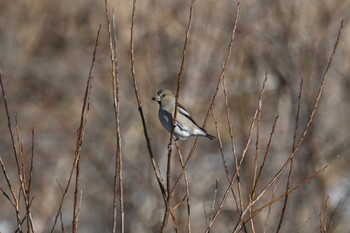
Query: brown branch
{"type": "Point", "coordinates": [223, 158]}
{"type": "Point", "coordinates": [79, 143]}
{"type": "Point", "coordinates": [118, 177]}
{"type": "Point", "coordinates": [187, 197]}
{"type": "Point", "coordinates": [317, 100]}
{"type": "Point", "coordinates": [291, 166]}
{"type": "Point", "coordinates": [171, 140]}
{"type": "Point", "coordinates": [223, 71]}
{"type": "Point", "coordinates": [236, 173]}
{"type": "Point", "coordinates": [18, 161]}
{"type": "Point", "coordinates": [155, 167]}
{"type": "Point", "coordinates": [15, 201]}
{"type": "Point", "coordinates": [80, 136]}
{"type": "Point", "coordinates": [299, 185]}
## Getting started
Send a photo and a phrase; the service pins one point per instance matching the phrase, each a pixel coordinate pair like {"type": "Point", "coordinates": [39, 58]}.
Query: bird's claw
{"type": "Point", "coordinates": [170, 146]}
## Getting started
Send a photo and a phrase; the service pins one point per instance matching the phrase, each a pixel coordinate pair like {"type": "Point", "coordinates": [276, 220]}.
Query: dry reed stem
{"type": "Point", "coordinates": [171, 140]}
{"type": "Point", "coordinates": [223, 71]}
{"type": "Point", "coordinates": [118, 177]}
{"type": "Point", "coordinates": [155, 167]}
{"type": "Point", "coordinates": [223, 158]}
{"type": "Point", "coordinates": [266, 151]}
{"type": "Point", "coordinates": [31, 163]}
{"type": "Point", "coordinates": [255, 166]}
{"type": "Point", "coordinates": [207, 218]}
{"type": "Point", "coordinates": [15, 202]}
{"type": "Point", "coordinates": [24, 178]}
{"type": "Point", "coordinates": [18, 162]}
{"type": "Point", "coordinates": [79, 143]}
{"type": "Point", "coordinates": [63, 229]}
{"type": "Point", "coordinates": [297, 186]}
{"type": "Point", "coordinates": [119, 157]}
{"type": "Point", "coordinates": [236, 172]}
{"type": "Point", "coordinates": [269, 210]}
{"type": "Point", "coordinates": [29, 185]}
{"type": "Point", "coordinates": [187, 197]}
{"type": "Point", "coordinates": [291, 166]}
{"type": "Point", "coordinates": [324, 217]}
{"type": "Point", "coordinates": [317, 99]}
{"type": "Point", "coordinates": [277, 175]}
{"type": "Point", "coordinates": [81, 132]}
{"type": "Point", "coordinates": [331, 218]}
{"type": "Point", "coordinates": [233, 147]}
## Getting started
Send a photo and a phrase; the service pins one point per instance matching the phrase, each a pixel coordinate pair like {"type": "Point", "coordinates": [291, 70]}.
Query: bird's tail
{"type": "Point", "coordinates": [211, 137]}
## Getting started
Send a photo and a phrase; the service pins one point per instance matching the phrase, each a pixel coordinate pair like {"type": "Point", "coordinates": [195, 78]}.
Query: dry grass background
{"type": "Point", "coordinates": [46, 51]}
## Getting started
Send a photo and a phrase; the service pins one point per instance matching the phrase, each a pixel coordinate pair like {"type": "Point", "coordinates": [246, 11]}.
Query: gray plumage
{"type": "Point", "coordinates": [185, 125]}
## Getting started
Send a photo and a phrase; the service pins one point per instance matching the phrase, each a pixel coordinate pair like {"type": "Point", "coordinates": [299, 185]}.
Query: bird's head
{"type": "Point", "coordinates": [164, 95]}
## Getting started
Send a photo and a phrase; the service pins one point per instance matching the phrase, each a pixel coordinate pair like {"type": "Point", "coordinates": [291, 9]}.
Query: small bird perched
{"type": "Point", "coordinates": [185, 125]}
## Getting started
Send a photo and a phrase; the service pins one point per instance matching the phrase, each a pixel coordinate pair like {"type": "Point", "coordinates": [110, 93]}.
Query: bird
{"type": "Point", "coordinates": [185, 126]}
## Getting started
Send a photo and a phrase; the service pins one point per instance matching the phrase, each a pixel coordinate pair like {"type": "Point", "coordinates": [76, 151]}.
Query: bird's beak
{"type": "Point", "coordinates": [156, 98]}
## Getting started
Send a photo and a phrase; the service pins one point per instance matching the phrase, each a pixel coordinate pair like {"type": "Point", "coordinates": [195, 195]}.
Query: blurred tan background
{"type": "Point", "coordinates": [45, 55]}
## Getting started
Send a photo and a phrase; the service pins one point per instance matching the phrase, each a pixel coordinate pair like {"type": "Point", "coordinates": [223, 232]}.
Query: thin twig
{"type": "Point", "coordinates": [188, 201]}
{"type": "Point", "coordinates": [155, 167]}
{"type": "Point", "coordinates": [233, 147]}
{"type": "Point", "coordinates": [171, 140]}
{"type": "Point", "coordinates": [223, 158]}
{"type": "Point", "coordinates": [63, 228]}
{"type": "Point", "coordinates": [255, 167]}
{"type": "Point", "coordinates": [332, 217]}
{"type": "Point", "coordinates": [291, 166]}
{"type": "Point", "coordinates": [213, 201]}
{"type": "Point", "coordinates": [18, 162]}
{"type": "Point", "coordinates": [223, 71]}
{"type": "Point", "coordinates": [79, 143]}
{"type": "Point", "coordinates": [118, 177]}
{"type": "Point", "coordinates": [80, 136]}
{"type": "Point", "coordinates": [266, 151]}
{"type": "Point", "coordinates": [235, 175]}
{"type": "Point", "coordinates": [119, 142]}
{"type": "Point", "coordinates": [14, 202]}
{"type": "Point", "coordinates": [317, 100]}
{"type": "Point", "coordinates": [269, 210]}
{"type": "Point", "coordinates": [299, 185]}
{"type": "Point", "coordinates": [31, 163]}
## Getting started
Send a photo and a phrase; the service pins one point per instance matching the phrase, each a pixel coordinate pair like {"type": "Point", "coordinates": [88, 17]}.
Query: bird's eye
{"type": "Point", "coordinates": [163, 95]}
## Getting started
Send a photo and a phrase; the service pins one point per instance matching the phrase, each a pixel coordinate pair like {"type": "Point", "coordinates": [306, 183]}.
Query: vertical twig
{"type": "Point", "coordinates": [171, 140]}
{"type": "Point", "coordinates": [81, 132]}
{"type": "Point", "coordinates": [255, 166]}
{"type": "Point", "coordinates": [278, 174]}
{"type": "Point", "coordinates": [235, 175]}
{"type": "Point", "coordinates": [228, 56]}
{"type": "Point", "coordinates": [15, 202]}
{"type": "Point", "coordinates": [155, 167]}
{"type": "Point", "coordinates": [30, 177]}
{"type": "Point", "coordinates": [233, 147]}
{"type": "Point", "coordinates": [292, 189]}
{"type": "Point", "coordinates": [18, 162]}
{"type": "Point", "coordinates": [317, 100]}
{"type": "Point", "coordinates": [63, 228]}
{"type": "Point", "coordinates": [266, 152]}
{"type": "Point", "coordinates": [269, 210]}
{"type": "Point", "coordinates": [188, 201]}
{"type": "Point", "coordinates": [79, 143]}
{"type": "Point", "coordinates": [223, 158]}
{"type": "Point", "coordinates": [214, 200]}
{"type": "Point", "coordinates": [118, 177]}
{"type": "Point", "coordinates": [292, 160]}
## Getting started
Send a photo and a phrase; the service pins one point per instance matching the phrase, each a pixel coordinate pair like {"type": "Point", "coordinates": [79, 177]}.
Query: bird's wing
{"type": "Point", "coordinates": [183, 112]}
